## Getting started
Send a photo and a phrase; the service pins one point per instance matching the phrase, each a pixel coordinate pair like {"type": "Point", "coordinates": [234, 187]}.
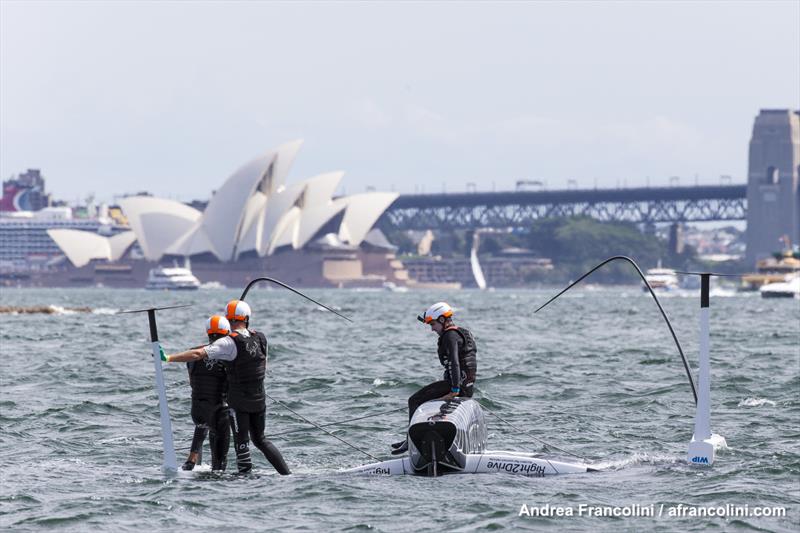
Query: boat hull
{"type": "Point", "coordinates": [449, 437]}
{"type": "Point", "coordinates": [504, 462]}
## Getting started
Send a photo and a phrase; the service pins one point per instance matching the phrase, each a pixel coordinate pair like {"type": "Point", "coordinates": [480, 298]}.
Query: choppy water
{"type": "Point", "coordinates": [595, 373]}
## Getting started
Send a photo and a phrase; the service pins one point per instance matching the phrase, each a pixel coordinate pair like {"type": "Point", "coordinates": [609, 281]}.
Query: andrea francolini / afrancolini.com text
{"type": "Point", "coordinates": [652, 510]}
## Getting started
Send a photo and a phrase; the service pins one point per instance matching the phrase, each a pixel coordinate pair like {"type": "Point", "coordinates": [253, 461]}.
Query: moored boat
{"type": "Point", "coordinates": [661, 279]}
{"type": "Point", "coordinates": [172, 278]}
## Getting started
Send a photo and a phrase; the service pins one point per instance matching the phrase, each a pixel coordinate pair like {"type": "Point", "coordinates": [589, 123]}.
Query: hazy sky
{"type": "Point", "coordinates": [115, 97]}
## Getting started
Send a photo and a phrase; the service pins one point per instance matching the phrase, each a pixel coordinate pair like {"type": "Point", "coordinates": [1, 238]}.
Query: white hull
{"type": "Point", "coordinates": [661, 280]}
{"type": "Point", "coordinates": [172, 279]}
{"type": "Point", "coordinates": [519, 464]}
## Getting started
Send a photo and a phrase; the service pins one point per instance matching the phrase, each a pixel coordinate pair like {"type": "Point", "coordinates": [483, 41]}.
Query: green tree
{"type": "Point", "coordinates": [577, 244]}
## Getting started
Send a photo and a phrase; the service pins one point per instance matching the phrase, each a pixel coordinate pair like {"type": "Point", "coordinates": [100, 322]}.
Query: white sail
{"type": "Point", "coordinates": [476, 266]}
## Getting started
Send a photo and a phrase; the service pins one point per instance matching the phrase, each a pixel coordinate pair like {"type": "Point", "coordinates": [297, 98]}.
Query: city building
{"type": "Point", "coordinates": [773, 196]}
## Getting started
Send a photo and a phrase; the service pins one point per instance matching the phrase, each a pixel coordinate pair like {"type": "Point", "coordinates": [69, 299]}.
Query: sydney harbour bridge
{"type": "Point", "coordinates": [517, 209]}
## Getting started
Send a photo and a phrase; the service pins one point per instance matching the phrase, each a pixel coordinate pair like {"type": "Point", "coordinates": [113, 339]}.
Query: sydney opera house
{"type": "Point", "coordinates": [255, 224]}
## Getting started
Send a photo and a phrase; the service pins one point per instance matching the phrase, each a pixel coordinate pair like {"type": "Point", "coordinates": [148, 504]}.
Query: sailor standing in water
{"type": "Point", "coordinates": [457, 354]}
{"type": "Point", "coordinates": [244, 354]}
{"type": "Point", "coordinates": [209, 410]}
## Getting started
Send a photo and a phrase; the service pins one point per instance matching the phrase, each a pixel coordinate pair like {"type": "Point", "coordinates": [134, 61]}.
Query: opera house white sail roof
{"type": "Point", "coordinates": [253, 211]}
{"type": "Point", "coordinates": [80, 246]}
{"type": "Point", "coordinates": [157, 222]}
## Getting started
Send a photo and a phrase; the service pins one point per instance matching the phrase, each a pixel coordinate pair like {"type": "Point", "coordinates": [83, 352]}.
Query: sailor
{"type": "Point", "coordinates": [457, 354]}
{"type": "Point", "coordinates": [244, 354]}
{"type": "Point", "coordinates": [209, 411]}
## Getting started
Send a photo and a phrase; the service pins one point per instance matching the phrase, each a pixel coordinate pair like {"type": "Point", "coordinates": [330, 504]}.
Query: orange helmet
{"type": "Point", "coordinates": [218, 325]}
{"type": "Point", "coordinates": [237, 310]}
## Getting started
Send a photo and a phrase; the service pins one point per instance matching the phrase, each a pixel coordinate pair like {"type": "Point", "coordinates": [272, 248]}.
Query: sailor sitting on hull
{"type": "Point", "coordinates": [457, 354]}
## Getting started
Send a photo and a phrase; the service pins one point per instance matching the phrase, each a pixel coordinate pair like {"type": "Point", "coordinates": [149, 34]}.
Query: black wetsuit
{"type": "Point", "coordinates": [209, 411]}
{"type": "Point", "coordinates": [247, 401]}
{"type": "Point", "coordinates": [458, 355]}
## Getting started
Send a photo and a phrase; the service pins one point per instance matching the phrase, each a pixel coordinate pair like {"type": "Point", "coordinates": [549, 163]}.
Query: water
{"type": "Point", "coordinates": [595, 373]}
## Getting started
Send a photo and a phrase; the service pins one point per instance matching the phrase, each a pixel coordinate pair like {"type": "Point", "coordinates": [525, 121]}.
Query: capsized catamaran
{"type": "Point", "coordinates": [449, 437]}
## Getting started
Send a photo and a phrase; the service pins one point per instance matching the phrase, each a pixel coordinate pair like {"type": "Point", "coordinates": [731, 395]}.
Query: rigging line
{"type": "Point", "coordinates": [321, 428]}
{"type": "Point", "coordinates": [533, 436]}
{"type": "Point", "coordinates": [285, 286]}
{"type": "Point", "coordinates": [153, 309]}
{"type": "Point", "coordinates": [338, 422]}
{"type": "Point", "coordinates": [715, 274]}
{"type": "Point", "coordinates": [653, 294]}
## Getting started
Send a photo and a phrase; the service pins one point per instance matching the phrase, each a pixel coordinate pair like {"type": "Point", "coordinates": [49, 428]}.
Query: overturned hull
{"type": "Point", "coordinates": [449, 437]}
{"type": "Point", "coordinates": [481, 463]}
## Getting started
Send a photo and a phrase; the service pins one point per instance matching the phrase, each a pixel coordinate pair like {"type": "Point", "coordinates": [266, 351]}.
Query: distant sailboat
{"type": "Point", "coordinates": [476, 266]}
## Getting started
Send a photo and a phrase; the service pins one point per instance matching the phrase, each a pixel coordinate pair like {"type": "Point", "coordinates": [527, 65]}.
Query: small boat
{"type": "Point", "coordinates": [789, 288]}
{"type": "Point", "coordinates": [172, 278]}
{"type": "Point", "coordinates": [449, 437]}
{"type": "Point", "coordinates": [393, 287]}
{"type": "Point", "coordinates": [661, 279]}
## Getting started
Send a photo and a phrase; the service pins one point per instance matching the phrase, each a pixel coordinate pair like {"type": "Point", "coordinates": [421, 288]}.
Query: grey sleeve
{"type": "Point", "coordinates": [223, 349]}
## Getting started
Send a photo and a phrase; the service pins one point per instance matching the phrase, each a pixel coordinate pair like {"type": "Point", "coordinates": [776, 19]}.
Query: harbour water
{"type": "Point", "coordinates": [595, 373]}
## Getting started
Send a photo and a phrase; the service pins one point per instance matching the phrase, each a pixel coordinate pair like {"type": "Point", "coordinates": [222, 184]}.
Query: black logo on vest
{"type": "Point", "coordinates": [252, 349]}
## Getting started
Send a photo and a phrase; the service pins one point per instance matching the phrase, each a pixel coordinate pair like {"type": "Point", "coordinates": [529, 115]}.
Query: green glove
{"type": "Point", "coordinates": [164, 357]}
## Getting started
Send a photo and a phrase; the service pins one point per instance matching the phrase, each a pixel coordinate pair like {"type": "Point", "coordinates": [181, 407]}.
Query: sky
{"type": "Point", "coordinates": [113, 98]}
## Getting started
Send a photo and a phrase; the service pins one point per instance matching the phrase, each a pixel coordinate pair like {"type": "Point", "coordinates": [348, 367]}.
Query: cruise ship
{"type": "Point", "coordinates": [25, 245]}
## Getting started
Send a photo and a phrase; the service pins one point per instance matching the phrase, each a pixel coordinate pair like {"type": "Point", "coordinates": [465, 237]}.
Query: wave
{"type": "Point", "coordinates": [637, 459]}
{"type": "Point", "coordinates": [42, 309]}
{"type": "Point", "coordinates": [53, 309]}
{"type": "Point", "coordinates": [756, 402]}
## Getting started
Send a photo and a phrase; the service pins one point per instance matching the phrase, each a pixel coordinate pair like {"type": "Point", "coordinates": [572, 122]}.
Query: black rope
{"type": "Point", "coordinates": [715, 274]}
{"type": "Point", "coordinates": [534, 437]}
{"type": "Point", "coordinates": [285, 286]}
{"type": "Point", "coordinates": [653, 294]}
{"type": "Point", "coordinates": [321, 428]}
{"type": "Point", "coordinates": [339, 422]}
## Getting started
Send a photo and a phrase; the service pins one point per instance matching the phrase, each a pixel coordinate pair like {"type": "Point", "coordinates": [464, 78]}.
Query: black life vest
{"type": "Point", "coordinates": [208, 380]}
{"type": "Point", "coordinates": [247, 371]}
{"type": "Point", "coordinates": [467, 356]}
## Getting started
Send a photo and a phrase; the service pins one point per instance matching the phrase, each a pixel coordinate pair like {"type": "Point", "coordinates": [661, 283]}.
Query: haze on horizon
{"type": "Point", "coordinates": [172, 97]}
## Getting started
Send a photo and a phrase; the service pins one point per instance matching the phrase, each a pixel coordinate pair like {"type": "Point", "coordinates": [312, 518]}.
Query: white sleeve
{"type": "Point", "coordinates": [223, 349]}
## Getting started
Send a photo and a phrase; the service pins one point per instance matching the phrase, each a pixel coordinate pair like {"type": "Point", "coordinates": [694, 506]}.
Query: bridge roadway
{"type": "Point", "coordinates": [510, 209]}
